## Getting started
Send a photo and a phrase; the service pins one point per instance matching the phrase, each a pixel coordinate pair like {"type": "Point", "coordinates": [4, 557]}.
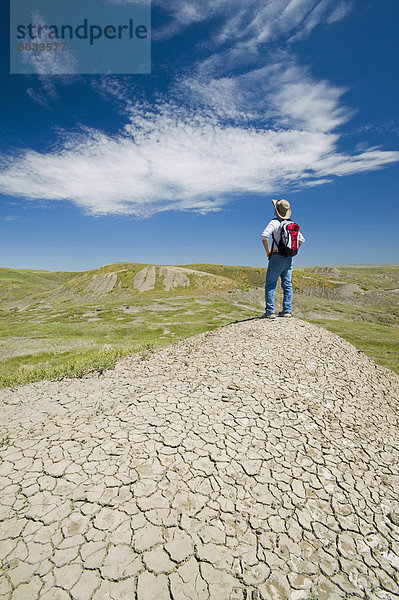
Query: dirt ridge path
{"type": "Point", "coordinates": [257, 461]}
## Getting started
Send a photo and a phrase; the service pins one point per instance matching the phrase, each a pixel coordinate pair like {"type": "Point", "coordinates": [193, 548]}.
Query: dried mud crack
{"type": "Point", "coordinates": [258, 461]}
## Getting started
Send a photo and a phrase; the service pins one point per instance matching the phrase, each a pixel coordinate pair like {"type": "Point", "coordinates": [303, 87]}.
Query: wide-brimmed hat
{"type": "Point", "coordinates": [282, 208]}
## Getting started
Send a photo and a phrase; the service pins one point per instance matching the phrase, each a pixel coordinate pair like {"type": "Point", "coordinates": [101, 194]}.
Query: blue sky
{"type": "Point", "coordinates": [248, 100]}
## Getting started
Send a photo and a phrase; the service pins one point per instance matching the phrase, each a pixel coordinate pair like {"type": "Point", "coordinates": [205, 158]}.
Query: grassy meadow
{"type": "Point", "coordinates": [54, 325]}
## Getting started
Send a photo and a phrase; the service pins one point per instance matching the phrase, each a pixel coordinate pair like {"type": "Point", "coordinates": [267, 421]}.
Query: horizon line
{"type": "Point", "coordinates": [395, 264]}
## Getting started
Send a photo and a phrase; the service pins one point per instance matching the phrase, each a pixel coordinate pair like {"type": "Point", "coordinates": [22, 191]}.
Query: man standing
{"type": "Point", "coordinates": [279, 265]}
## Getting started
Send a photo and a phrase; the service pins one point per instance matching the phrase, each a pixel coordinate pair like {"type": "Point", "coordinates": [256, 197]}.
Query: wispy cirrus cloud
{"type": "Point", "coordinates": [45, 64]}
{"type": "Point", "coordinates": [340, 12]}
{"type": "Point", "coordinates": [250, 22]}
{"type": "Point", "coordinates": [10, 219]}
{"type": "Point", "coordinates": [281, 94]}
{"type": "Point", "coordinates": [43, 91]}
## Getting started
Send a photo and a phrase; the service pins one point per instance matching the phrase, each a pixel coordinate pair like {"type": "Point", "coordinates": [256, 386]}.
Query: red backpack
{"type": "Point", "coordinates": [288, 244]}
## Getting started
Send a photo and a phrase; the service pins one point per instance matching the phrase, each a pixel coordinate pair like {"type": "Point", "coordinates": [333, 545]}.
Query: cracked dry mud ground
{"type": "Point", "coordinates": [256, 461]}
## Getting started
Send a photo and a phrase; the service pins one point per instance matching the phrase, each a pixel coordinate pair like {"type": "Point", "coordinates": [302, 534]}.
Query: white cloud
{"type": "Point", "coordinates": [359, 163]}
{"type": "Point", "coordinates": [183, 13]}
{"type": "Point", "coordinates": [317, 14]}
{"type": "Point", "coordinates": [173, 160]}
{"type": "Point", "coordinates": [310, 105]}
{"type": "Point", "coordinates": [249, 22]}
{"type": "Point", "coordinates": [282, 92]}
{"type": "Point", "coordinates": [49, 62]}
{"type": "Point", "coordinates": [340, 12]}
{"type": "Point", "coordinates": [44, 91]}
{"type": "Point", "coordinates": [44, 88]}
{"type": "Point", "coordinates": [118, 88]}
{"type": "Point", "coordinates": [51, 67]}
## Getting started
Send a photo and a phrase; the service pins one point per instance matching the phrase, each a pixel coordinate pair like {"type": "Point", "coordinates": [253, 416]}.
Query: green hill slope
{"type": "Point", "coordinates": [21, 284]}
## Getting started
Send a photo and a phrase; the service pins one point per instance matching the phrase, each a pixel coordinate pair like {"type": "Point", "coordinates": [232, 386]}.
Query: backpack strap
{"type": "Point", "coordinates": [281, 224]}
{"type": "Point", "coordinates": [273, 238]}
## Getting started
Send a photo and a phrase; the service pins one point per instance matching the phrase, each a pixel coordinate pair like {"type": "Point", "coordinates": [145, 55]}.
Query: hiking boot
{"type": "Point", "coordinates": [284, 314]}
{"type": "Point", "coordinates": [268, 316]}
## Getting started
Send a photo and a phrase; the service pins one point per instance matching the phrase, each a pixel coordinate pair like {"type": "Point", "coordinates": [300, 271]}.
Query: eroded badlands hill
{"type": "Point", "coordinates": [133, 279]}
{"type": "Point", "coordinates": [256, 461]}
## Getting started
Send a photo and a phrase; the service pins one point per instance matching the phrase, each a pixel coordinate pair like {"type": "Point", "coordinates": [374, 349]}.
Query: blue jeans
{"type": "Point", "coordinates": [279, 266]}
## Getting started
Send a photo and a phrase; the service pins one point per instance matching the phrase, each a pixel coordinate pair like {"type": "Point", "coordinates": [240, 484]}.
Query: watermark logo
{"type": "Point", "coordinates": [56, 37]}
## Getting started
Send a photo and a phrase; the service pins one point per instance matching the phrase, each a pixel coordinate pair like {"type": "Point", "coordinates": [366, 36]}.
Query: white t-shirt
{"type": "Point", "coordinates": [274, 227]}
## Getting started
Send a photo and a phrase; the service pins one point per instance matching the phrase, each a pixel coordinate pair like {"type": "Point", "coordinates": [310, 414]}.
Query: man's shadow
{"type": "Point", "coordinates": [245, 320]}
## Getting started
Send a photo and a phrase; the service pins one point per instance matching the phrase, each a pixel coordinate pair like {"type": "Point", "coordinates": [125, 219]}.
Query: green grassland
{"type": "Point", "coordinates": [54, 325]}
